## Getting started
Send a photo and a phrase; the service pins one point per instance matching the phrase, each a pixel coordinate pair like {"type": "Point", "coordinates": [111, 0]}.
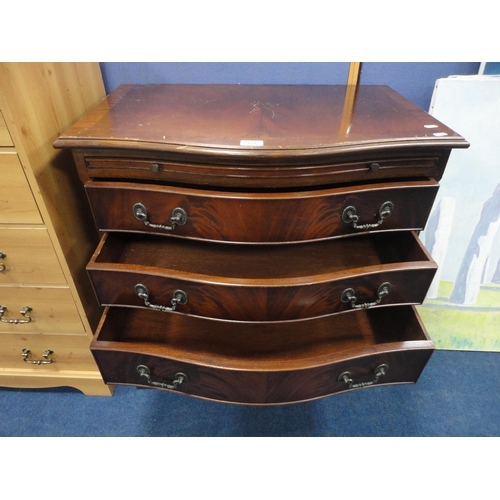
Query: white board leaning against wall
{"type": "Point", "coordinates": [462, 309]}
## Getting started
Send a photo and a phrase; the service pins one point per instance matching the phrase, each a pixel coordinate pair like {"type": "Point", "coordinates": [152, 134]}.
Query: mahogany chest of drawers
{"type": "Point", "coordinates": [260, 242]}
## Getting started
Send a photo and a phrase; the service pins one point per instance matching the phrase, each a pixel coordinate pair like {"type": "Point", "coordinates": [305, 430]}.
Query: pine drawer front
{"type": "Point", "coordinates": [261, 282]}
{"type": "Point", "coordinates": [47, 352]}
{"type": "Point", "coordinates": [261, 217]}
{"type": "Point", "coordinates": [28, 257]}
{"type": "Point", "coordinates": [297, 362]}
{"type": "Point", "coordinates": [17, 205]}
{"type": "Point", "coordinates": [281, 172]}
{"type": "Point", "coordinates": [52, 310]}
{"type": "Point", "coordinates": [5, 139]}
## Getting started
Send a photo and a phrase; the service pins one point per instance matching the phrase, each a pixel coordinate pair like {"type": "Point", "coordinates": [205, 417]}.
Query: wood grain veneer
{"type": "Point", "coordinates": [268, 217]}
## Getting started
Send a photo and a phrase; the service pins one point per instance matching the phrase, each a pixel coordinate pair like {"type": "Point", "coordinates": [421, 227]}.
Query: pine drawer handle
{"type": "Point", "coordinates": [380, 371]}
{"type": "Point", "coordinates": [349, 216]}
{"type": "Point", "coordinates": [179, 217]}
{"type": "Point", "coordinates": [180, 378]}
{"type": "Point", "coordinates": [47, 360]}
{"type": "Point", "coordinates": [349, 295]}
{"type": "Point", "coordinates": [24, 312]}
{"type": "Point", "coordinates": [179, 298]}
{"type": "Point", "coordinates": [2, 264]}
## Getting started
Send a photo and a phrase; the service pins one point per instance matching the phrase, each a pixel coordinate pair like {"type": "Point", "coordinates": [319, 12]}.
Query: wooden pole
{"type": "Point", "coordinates": [350, 96]}
{"type": "Point", "coordinates": [353, 77]}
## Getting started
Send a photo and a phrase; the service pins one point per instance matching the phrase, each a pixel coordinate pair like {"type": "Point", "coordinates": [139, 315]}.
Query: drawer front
{"type": "Point", "coordinates": [27, 256]}
{"type": "Point", "coordinates": [53, 310]}
{"type": "Point", "coordinates": [261, 303]}
{"type": "Point", "coordinates": [262, 363]}
{"type": "Point", "coordinates": [68, 352]}
{"type": "Point", "coordinates": [261, 218]}
{"type": "Point", "coordinates": [280, 172]}
{"type": "Point", "coordinates": [17, 205]}
{"type": "Point", "coordinates": [5, 139]}
{"type": "Point", "coordinates": [263, 387]}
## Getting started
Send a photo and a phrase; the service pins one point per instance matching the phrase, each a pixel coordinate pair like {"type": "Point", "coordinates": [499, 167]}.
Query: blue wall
{"type": "Point", "coordinates": [413, 80]}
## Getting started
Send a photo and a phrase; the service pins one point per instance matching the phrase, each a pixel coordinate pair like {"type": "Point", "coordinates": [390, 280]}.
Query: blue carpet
{"type": "Point", "coordinates": [458, 394]}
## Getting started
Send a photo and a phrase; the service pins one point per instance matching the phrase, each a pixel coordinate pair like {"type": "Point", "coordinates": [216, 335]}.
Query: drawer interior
{"type": "Point", "coordinates": [262, 262]}
{"type": "Point", "coordinates": [261, 346]}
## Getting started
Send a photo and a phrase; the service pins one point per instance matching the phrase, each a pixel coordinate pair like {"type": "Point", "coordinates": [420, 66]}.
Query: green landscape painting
{"type": "Point", "coordinates": [468, 327]}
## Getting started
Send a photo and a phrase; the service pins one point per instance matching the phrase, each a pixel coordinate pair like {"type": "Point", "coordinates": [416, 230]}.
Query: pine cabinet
{"type": "Point", "coordinates": [47, 306]}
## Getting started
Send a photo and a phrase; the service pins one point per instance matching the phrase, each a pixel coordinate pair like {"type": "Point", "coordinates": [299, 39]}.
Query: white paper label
{"type": "Point", "coordinates": [251, 143]}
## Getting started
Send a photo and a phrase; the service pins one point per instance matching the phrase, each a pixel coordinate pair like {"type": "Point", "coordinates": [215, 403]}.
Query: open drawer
{"type": "Point", "coordinates": [261, 282]}
{"type": "Point", "coordinates": [261, 363]}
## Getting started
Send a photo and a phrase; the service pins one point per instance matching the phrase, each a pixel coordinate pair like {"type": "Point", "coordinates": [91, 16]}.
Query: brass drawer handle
{"type": "Point", "coordinates": [349, 216]}
{"type": "Point", "coordinates": [180, 378]}
{"type": "Point", "coordinates": [345, 377]}
{"type": "Point", "coordinates": [47, 360]}
{"type": "Point", "coordinates": [179, 298]}
{"type": "Point", "coordinates": [24, 312]}
{"type": "Point", "coordinates": [179, 217]}
{"type": "Point", "coordinates": [2, 264]}
{"type": "Point", "coordinates": [349, 295]}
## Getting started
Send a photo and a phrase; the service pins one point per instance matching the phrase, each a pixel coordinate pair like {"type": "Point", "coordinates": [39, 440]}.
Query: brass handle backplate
{"type": "Point", "coordinates": [180, 378]}
{"type": "Point", "coordinates": [346, 377]}
{"type": "Point", "coordinates": [349, 295]}
{"type": "Point", "coordinates": [178, 218]}
{"type": "Point", "coordinates": [24, 312]}
{"type": "Point", "coordinates": [179, 298]}
{"type": "Point", "coordinates": [349, 216]}
{"type": "Point", "coordinates": [47, 360]}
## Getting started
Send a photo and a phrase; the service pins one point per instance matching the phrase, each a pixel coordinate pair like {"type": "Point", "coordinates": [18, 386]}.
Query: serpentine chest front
{"type": "Point", "coordinates": [260, 242]}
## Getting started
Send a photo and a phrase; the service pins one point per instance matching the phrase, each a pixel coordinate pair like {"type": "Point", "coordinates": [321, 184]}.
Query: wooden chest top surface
{"type": "Point", "coordinates": [241, 120]}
